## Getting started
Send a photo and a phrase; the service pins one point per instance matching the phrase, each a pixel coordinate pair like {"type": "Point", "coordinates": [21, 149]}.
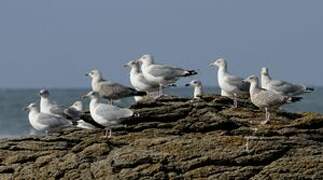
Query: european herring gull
{"type": "Point", "coordinates": [106, 114]}
{"type": "Point", "coordinates": [49, 106]}
{"type": "Point", "coordinates": [282, 87]}
{"type": "Point", "coordinates": [138, 81]}
{"type": "Point", "coordinates": [263, 98]}
{"type": "Point", "coordinates": [75, 112]}
{"type": "Point", "coordinates": [230, 84]}
{"type": "Point", "coordinates": [44, 122]}
{"type": "Point", "coordinates": [163, 75]}
{"type": "Point", "coordinates": [111, 90]}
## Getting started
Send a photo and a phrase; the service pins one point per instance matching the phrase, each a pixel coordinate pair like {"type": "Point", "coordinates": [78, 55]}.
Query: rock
{"type": "Point", "coordinates": [176, 138]}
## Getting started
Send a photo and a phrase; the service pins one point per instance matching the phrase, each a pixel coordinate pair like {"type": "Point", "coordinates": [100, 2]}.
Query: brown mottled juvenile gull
{"type": "Point", "coordinates": [263, 98]}
{"type": "Point", "coordinates": [230, 84]}
{"type": "Point", "coordinates": [282, 87]}
{"type": "Point", "coordinates": [111, 90]}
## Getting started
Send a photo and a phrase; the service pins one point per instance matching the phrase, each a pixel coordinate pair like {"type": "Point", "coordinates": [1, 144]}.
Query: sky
{"type": "Point", "coordinates": [53, 43]}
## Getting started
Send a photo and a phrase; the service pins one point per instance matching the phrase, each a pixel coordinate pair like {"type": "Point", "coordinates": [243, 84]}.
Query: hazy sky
{"type": "Point", "coordinates": [53, 43]}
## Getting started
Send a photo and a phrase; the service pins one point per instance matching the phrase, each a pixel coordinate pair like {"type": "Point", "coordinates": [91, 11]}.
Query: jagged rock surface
{"type": "Point", "coordinates": [176, 138]}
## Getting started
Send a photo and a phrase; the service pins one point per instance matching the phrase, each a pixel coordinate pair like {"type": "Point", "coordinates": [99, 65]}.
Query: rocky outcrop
{"type": "Point", "coordinates": [176, 138]}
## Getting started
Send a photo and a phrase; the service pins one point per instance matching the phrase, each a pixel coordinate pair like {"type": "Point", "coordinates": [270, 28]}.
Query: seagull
{"type": "Point", "coordinates": [48, 106]}
{"type": "Point", "coordinates": [263, 98]}
{"type": "Point", "coordinates": [138, 81]}
{"type": "Point", "coordinates": [45, 122]}
{"type": "Point", "coordinates": [198, 88]}
{"type": "Point", "coordinates": [75, 112]}
{"type": "Point", "coordinates": [230, 84]}
{"type": "Point", "coordinates": [106, 114]}
{"type": "Point", "coordinates": [282, 87]}
{"type": "Point", "coordinates": [163, 75]}
{"type": "Point", "coordinates": [111, 90]}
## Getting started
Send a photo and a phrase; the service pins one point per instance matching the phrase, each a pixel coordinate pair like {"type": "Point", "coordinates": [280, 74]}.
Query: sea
{"type": "Point", "coordinates": [14, 121]}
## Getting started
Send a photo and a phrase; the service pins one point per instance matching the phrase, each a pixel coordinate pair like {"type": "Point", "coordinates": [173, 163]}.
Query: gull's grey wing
{"type": "Point", "coordinates": [59, 110]}
{"type": "Point", "coordinates": [115, 90]}
{"type": "Point", "coordinates": [110, 112]}
{"type": "Point", "coordinates": [73, 113]}
{"type": "Point", "coordinates": [52, 121]}
{"type": "Point", "coordinates": [237, 81]}
{"type": "Point", "coordinates": [286, 88]}
{"type": "Point", "coordinates": [167, 72]}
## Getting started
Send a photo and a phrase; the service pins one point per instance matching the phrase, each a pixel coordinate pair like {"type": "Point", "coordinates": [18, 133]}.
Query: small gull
{"type": "Point", "coordinates": [75, 112]}
{"type": "Point", "coordinates": [163, 75]}
{"type": "Point", "coordinates": [45, 122]}
{"type": "Point", "coordinates": [282, 87]}
{"type": "Point", "coordinates": [48, 106]}
{"type": "Point", "coordinates": [263, 98]}
{"type": "Point", "coordinates": [111, 90]}
{"type": "Point", "coordinates": [230, 84]}
{"type": "Point", "coordinates": [198, 88]}
{"type": "Point", "coordinates": [106, 114]}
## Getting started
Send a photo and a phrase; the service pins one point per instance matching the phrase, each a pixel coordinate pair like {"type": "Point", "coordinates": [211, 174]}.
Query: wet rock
{"type": "Point", "coordinates": [176, 138]}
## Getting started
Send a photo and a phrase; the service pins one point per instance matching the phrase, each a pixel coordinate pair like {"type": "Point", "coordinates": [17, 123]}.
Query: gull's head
{"type": "Point", "coordinates": [94, 74]}
{"type": "Point", "coordinates": [30, 107]}
{"type": "Point", "coordinates": [44, 93]}
{"type": "Point", "coordinates": [146, 59]}
{"type": "Point", "coordinates": [264, 71]}
{"type": "Point", "coordinates": [78, 105]}
{"type": "Point", "coordinates": [91, 95]}
{"type": "Point", "coordinates": [194, 83]}
{"type": "Point", "coordinates": [219, 63]}
{"type": "Point", "coordinates": [251, 79]}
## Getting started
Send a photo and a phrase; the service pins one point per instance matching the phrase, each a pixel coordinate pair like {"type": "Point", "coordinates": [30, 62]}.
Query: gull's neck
{"type": "Point", "coordinates": [221, 72]}
{"type": "Point", "coordinates": [147, 63]}
{"type": "Point", "coordinates": [198, 91]}
{"type": "Point", "coordinates": [254, 87]}
{"type": "Point", "coordinates": [223, 69]}
{"type": "Point", "coordinates": [265, 79]}
{"type": "Point", "coordinates": [44, 101]}
{"type": "Point", "coordinates": [95, 81]}
{"type": "Point", "coordinates": [135, 69]}
{"type": "Point", "coordinates": [97, 78]}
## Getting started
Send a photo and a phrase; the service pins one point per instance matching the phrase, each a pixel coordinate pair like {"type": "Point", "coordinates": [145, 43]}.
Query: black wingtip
{"type": "Point", "coordinates": [296, 99]}
{"type": "Point", "coordinates": [310, 89]}
{"type": "Point", "coordinates": [190, 73]}
{"type": "Point", "coordinates": [140, 93]}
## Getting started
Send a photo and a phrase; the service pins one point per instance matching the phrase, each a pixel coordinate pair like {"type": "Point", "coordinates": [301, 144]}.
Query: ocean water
{"type": "Point", "coordinates": [14, 121]}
